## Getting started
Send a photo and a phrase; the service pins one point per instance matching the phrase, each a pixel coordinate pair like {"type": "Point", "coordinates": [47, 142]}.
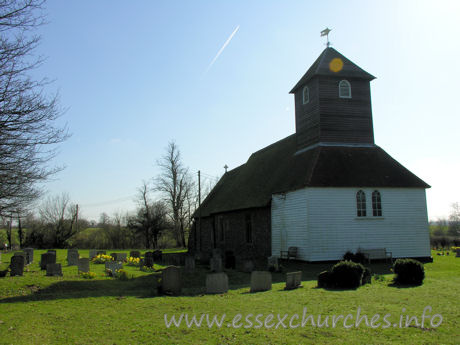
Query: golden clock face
{"type": "Point", "coordinates": [336, 65]}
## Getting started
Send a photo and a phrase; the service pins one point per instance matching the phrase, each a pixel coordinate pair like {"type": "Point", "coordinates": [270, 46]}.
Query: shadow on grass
{"type": "Point", "coordinates": [147, 286]}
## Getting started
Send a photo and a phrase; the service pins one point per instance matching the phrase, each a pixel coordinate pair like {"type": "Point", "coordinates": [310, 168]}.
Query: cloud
{"type": "Point", "coordinates": [222, 49]}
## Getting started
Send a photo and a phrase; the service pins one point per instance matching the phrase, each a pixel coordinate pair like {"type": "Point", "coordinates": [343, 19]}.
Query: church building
{"type": "Point", "coordinates": [326, 189]}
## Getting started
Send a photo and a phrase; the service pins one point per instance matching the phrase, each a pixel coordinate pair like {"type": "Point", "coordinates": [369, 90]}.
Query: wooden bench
{"type": "Point", "coordinates": [290, 253]}
{"type": "Point", "coordinates": [377, 253]}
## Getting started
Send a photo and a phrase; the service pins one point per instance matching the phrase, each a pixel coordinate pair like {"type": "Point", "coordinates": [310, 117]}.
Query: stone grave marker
{"type": "Point", "coordinates": [157, 255]}
{"type": "Point", "coordinates": [171, 280]}
{"type": "Point", "coordinates": [47, 258]}
{"type": "Point", "coordinates": [189, 263]}
{"type": "Point", "coordinates": [216, 283]}
{"type": "Point", "coordinates": [52, 251]}
{"type": "Point", "coordinates": [148, 259]}
{"type": "Point", "coordinates": [135, 254]}
{"type": "Point", "coordinates": [21, 254]}
{"type": "Point", "coordinates": [17, 265]}
{"type": "Point", "coordinates": [54, 270]}
{"type": "Point", "coordinates": [261, 281]}
{"type": "Point", "coordinates": [83, 265]}
{"type": "Point", "coordinates": [92, 253]}
{"type": "Point", "coordinates": [216, 264]}
{"type": "Point", "coordinates": [29, 255]}
{"type": "Point", "coordinates": [119, 256]}
{"type": "Point", "coordinates": [273, 264]}
{"type": "Point", "coordinates": [113, 266]}
{"type": "Point", "coordinates": [293, 280]}
{"type": "Point", "coordinates": [72, 257]}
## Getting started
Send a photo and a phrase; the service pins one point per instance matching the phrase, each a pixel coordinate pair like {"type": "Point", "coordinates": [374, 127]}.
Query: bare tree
{"type": "Point", "coordinates": [28, 134]}
{"type": "Point", "coordinates": [60, 216]}
{"type": "Point", "coordinates": [151, 217]}
{"type": "Point", "coordinates": [176, 185]}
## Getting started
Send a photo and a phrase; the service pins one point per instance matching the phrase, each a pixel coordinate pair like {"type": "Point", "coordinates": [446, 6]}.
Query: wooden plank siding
{"type": "Point", "coordinates": [324, 224]}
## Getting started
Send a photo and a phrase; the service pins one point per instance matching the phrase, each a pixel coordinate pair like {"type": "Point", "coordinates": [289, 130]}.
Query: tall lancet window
{"type": "Point", "coordinates": [344, 89]}
{"type": "Point", "coordinates": [361, 204]}
{"type": "Point", "coordinates": [376, 204]}
{"type": "Point", "coordinates": [306, 95]}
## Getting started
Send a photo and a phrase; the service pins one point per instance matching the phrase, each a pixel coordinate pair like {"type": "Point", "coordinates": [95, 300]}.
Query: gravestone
{"type": "Point", "coordinates": [47, 258]}
{"type": "Point", "coordinates": [23, 254]}
{"type": "Point", "coordinates": [113, 266]}
{"type": "Point", "coordinates": [148, 259]}
{"type": "Point", "coordinates": [216, 283]}
{"type": "Point", "coordinates": [230, 260]}
{"type": "Point", "coordinates": [157, 255]}
{"type": "Point", "coordinates": [170, 280]}
{"type": "Point", "coordinates": [216, 264]}
{"type": "Point", "coordinates": [83, 265]}
{"type": "Point", "coordinates": [273, 264]}
{"type": "Point", "coordinates": [135, 254]}
{"type": "Point", "coordinates": [52, 251]}
{"type": "Point", "coordinates": [72, 257]}
{"type": "Point", "coordinates": [293, 280]}
{"type": "Point", "coordinates": [54, 270]}
{"type": "Point", "coordinates": [92, 253]}
{"type": "Point", "coordinates": [248, 266]}
{"type": "Point", "coordinates": [29, 255]}
{"type": "Point", "coordinates": [261, 281]}
{"type": "Point", "coordinates": [189, 263]}
{"type": "Point", "coordinates": [119, 256]}
{"type": "Point", "coordinates": [17, 265]}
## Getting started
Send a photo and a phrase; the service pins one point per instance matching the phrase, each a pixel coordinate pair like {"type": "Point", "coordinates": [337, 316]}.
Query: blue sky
{"type": "Point", "coordinates": [135, 75]}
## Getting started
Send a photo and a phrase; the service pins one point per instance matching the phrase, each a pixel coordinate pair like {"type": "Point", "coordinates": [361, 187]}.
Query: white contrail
{"type": "Point", "coordinates": [222, 49]}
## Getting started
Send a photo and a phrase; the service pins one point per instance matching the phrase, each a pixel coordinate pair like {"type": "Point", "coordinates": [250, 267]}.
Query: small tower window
{"type": "Point", "coordinates": [344, 89]}
{"type": "Point", "coordinates": [306, 95]}
{"type": "Point", "coordinates": [361, 204]}
{"type": "Point", "coordinates": [376, 204]}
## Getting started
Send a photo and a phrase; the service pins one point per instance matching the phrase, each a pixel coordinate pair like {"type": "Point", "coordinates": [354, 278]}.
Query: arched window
{"type": "Point", "coordinates": [361, 204]}
{"type": "Point", "coordinates": [344, 89]}
{"type": "Point", "coordinates": [306, 95]}
{"type": "Point", "coordinates": [376, 204]}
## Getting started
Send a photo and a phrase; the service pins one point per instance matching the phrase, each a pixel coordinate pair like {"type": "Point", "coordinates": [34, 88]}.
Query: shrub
{"type": "Point", "coordinates": [367, 276]}
{"type": "Point", "coordinates": [408, 271]}
{"type": "Point", "coordinates": [101, 259]}
{"type": "Point", "coordinates": [88, 275]}
{"type": "Point", "coordinates": [358, 257]}
{"type": "Point", "coordinates": [347, 275]}
{"type": "Point", "coordinates": [348, 256]}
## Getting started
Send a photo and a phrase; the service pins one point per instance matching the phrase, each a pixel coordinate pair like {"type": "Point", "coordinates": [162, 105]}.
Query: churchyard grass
{"type": "Point", "coordinates": [35, 309]}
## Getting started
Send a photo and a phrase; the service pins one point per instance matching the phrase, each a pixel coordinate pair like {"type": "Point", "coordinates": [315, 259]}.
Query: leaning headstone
{"type": "Point", "coordinates": [216, 264]}
{"type": "Point", "coordinates": [92, 253]}
{"type": "Point", "coordinates": [29, 255]}
{"type": "Point", "coordinates": [135, 254]}
{"type": "Point", "coordinates": [148, 259]}
{"type": "Point", "coordinates": [17, 265]}
{"type": "Point", "coordinates": [113, 266]}
{"type": "Point", "coordinates": [47, 258]}
{"type": "Point", "coordinates": [273, 264]}
{"type": "Point", "coordinates": [72, 257]}
{"type": "Point", "coordinates": [216, 283]}
{"type": "Point", "coordinates": [248, 266]}
{"type": "Point", "coordinates": [53, 270]}
{"type": "Point", "coordinates": [189, 263]}
{"type": "Point", "coordinates": [170, 280]}
{"type": "Point", "coordinates": [293, 280]}
{"type": "Point", "coordinates": [261, 281]}
{"type": "Point", "coordinates": [83, 265]}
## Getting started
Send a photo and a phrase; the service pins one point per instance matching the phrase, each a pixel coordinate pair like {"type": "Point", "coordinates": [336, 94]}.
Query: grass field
{"type": "Point", "coordinates": [35, 309]}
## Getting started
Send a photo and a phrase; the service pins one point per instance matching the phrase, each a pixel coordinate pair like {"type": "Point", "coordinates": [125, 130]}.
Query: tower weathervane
{"type": "Point", "coordinates": [325, 32]}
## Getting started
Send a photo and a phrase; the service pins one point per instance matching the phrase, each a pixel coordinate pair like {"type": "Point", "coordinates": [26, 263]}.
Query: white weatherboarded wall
{"type": "Point", "coordinates": [322, 223]}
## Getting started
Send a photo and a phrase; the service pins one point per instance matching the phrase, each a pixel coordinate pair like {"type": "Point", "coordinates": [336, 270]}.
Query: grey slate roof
{"type": "Point", "coordinates": [277, 168]}
{"type": "Point", "coordinates": [321, 67]}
